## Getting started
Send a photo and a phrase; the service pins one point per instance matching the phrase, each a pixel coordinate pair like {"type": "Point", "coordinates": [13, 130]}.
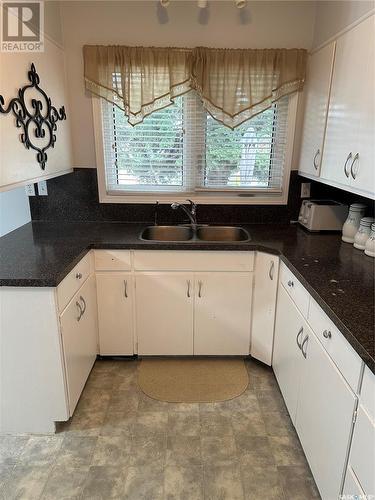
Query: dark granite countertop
{"type": "Point", "coordinates": [339, 277]}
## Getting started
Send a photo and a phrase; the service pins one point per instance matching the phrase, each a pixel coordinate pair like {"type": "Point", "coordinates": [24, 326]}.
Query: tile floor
{"type": "Point", "coordinates": [122, 444]}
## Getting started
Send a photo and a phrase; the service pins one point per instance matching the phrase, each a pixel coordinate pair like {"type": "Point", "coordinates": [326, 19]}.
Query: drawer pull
{"type": "Point", "coordinates": [84, 304]}
{"type": "Point", "coordinates": [314, 160]}
{"type": "Point", "coordinates": [354, 174]}
{"type": "Point", "coordinates": [346, 164]}
{"type": "Point", "coordinates": [298, 335]}
{"type": "Point", "coordinates": [271, 271]}
{"type": "Point", "coordinates": [290, 283]}
{"type": "Point", "coordinates": [80, 313]}
{"type": "Point", "coordinates": [304, 343]}
{"type": "Point", "coordinates": [327, 334]}
{"type": "Point", "coordinates": [79, 276]}
{"type": "Point", "coordinates": [188, 288]}
{"type": "Point", "coordinates": [126, 289]}
{"type": "Point", "coordinates": [200, 283]}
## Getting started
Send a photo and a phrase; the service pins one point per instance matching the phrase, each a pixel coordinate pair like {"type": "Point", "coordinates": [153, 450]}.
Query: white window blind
{"type": "Point", "coordinates": [181, 148]}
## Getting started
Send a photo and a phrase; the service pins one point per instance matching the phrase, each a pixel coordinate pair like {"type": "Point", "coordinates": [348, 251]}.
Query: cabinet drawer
{"type": "Point", "coordinates": [296, 291]}
{"type": "Point", "coordinates": [368, 392]}
{"type": "Point", "coordinates": [362, 457]}
{"type": "Point", "coordinates": [339, 349]}
{"type": "Point", "coordinates": [160, 260]}
{"type": "Point", "coordinates": [72, 282]}
{"type": "Point", "coordinates": [112, 260]}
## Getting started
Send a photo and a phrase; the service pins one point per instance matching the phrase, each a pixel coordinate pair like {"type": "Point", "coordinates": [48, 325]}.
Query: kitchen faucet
{"type": "Point", "coordinates": [192, 213]}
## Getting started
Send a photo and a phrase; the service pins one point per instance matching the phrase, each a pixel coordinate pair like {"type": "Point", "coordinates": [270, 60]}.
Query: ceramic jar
{"type": "Point", "coordinates": [370, 243]}
{"type": "Point", "coordinates": [363, 233]}
{"type": "Point", "coordinates": [351, 225]}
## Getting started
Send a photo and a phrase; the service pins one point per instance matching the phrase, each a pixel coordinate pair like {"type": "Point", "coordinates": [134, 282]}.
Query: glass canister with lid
{"type": "Point", "coordinates": [351, 225]}
{"type": "Point", "coordinates": [363, 233]}
{"type": "Point", "coordinates": [370, 243]}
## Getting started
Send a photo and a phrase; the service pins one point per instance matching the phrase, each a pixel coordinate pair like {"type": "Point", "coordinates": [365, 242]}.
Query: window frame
{"type": "Point", "coordinates": [200, 196]}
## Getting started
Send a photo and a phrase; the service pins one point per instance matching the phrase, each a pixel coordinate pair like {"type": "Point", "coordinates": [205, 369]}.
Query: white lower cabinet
{"type": "Point", "coordinates": [222, 313]}
{"type": "Point", "coordinates": [115, 313]}
{"type": "Point", "coordinates": [79, 338]}
{"type": "Point", "coordinates": [352, 488]}
{"type": "Point", "coordinates": [324, 421]}
{"type": "Point", "coordinates": [264, 306]}
{"type": "Point", "coordinates": [362, 453]}
{"type": "Point", "coordinates": [164, 313]}
{"type": "Point", "coordinates": [193, 313]}
{"type": "Point", "coordinates": [290, 331]}
{"type": "Point", "coordinates": [319, 399]}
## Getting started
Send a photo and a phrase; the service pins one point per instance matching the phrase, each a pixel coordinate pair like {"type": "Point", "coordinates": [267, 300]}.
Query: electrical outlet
{"type": "Point", "coordinates": [30, 189]}
{"type": "Point", "coordinates": [42, 188]}
{"type": "Point", "coordinates": [305, 189]}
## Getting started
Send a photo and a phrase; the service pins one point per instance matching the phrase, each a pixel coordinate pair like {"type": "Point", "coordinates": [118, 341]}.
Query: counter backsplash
{"type": "Point", "coordinates": [74, 197]}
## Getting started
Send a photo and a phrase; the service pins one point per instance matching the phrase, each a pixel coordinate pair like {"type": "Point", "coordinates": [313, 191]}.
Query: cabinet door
{"type": "Point", "coordinates": [324, 418]}
{"type": "Point", "coordinates": [79, 335]}
{"type": "Point", "coordinates": [290, 328]}
{"type": "Point", "coordinates": [115, 313]}
{"type": "Point", "coordinates": [164, 313]}
{"type": "Point", "coordinates": [363, 172]}
{"type": "Point", "coordinates": [264, 306]}
{"type": "Point", "coordinates": [352, 488]}
{"type": "Point", "coordinates": [316, 92]}
{"type": "Point", "coordinates": [222, 313]}
{"type": "Point", "coordinates": [346, 103]}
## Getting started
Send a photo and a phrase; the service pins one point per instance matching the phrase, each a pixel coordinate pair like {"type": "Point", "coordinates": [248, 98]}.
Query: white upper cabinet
{"type": "Point", "coordinates": [348, 156]}
{"type": "Point", "coordinates": [316, 92]}
{"type": "Point", "coordinates": [19, 165]}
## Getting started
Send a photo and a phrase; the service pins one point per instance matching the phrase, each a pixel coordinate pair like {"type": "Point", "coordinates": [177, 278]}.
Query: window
{"type": "Point", "coordinates": [181, 149]}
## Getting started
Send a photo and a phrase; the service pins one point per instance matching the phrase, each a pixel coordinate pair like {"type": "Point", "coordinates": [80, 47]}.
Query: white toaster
{"type": "Point", "coordinates": [322, 215]}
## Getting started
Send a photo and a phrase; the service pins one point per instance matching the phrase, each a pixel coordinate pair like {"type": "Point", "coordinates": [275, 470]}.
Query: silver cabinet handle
{"type": "Point", "coordinates": [354, 174]}
{"type": "Point", "coordinates": [84, 304]}
{"type": "Point", "coordinates": [300, 332]}
{"type": "Point", "coordinates": [304, 343]}
{"type": "Point", "coordinates": [80, 313]}
{"type": "Point", "coordinates": [271, 270]}
{"type": "Point", "coordinates": [327, 334]}
{"type": "Point", "coordinates": [200, 283]}
{"type": "Point", "coordinates": [126, 289]}
{"type": "Point", "coordinates": [346, 164]}
{"type": "Point", "coordinates": [78, 276]}
{"type": "Point", "coordinates": [314, 160]}
{"type": "Point", "coordinates": [188, 288]}
{"type": "Point", "coordinates": [290, 283]}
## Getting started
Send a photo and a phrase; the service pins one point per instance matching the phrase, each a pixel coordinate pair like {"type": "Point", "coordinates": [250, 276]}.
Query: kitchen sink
{"type": "Point", "coordinates": [167, 233]}
{"type": "Point", "coordinates": [201, 233]}
{"type": "Point", "coordinates": [222, 233]}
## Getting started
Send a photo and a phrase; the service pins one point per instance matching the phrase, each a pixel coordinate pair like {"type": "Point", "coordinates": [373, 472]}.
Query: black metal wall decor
{"type": "Point", "coordinates": [39, 122]}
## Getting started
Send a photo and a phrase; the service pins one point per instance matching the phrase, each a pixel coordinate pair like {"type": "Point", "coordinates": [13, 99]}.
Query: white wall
{"type": "Point", "coordinates": [14, 204]}
{"type": "Point", "coordinates": [334, 16]}
{"type": "Point", "coordinates": [260, 25]}
{"type": "Point", "coordinates": [14, 210]}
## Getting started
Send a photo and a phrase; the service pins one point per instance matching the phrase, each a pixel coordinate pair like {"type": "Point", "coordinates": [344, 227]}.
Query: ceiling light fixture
{"type": "Point", "coordinates": [165, 3]}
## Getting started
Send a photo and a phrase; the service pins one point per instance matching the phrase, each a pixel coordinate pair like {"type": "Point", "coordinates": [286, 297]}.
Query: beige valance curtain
{"type": "Point", "coordinates": [234, 84]}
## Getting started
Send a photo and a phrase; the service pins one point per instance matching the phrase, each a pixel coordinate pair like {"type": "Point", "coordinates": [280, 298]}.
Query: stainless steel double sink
{"type": "Point", "coordinates": [200, 233]}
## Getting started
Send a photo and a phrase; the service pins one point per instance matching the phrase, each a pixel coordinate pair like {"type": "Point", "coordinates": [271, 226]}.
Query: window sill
{"type": "Point", "coordinates": [203, 198]}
